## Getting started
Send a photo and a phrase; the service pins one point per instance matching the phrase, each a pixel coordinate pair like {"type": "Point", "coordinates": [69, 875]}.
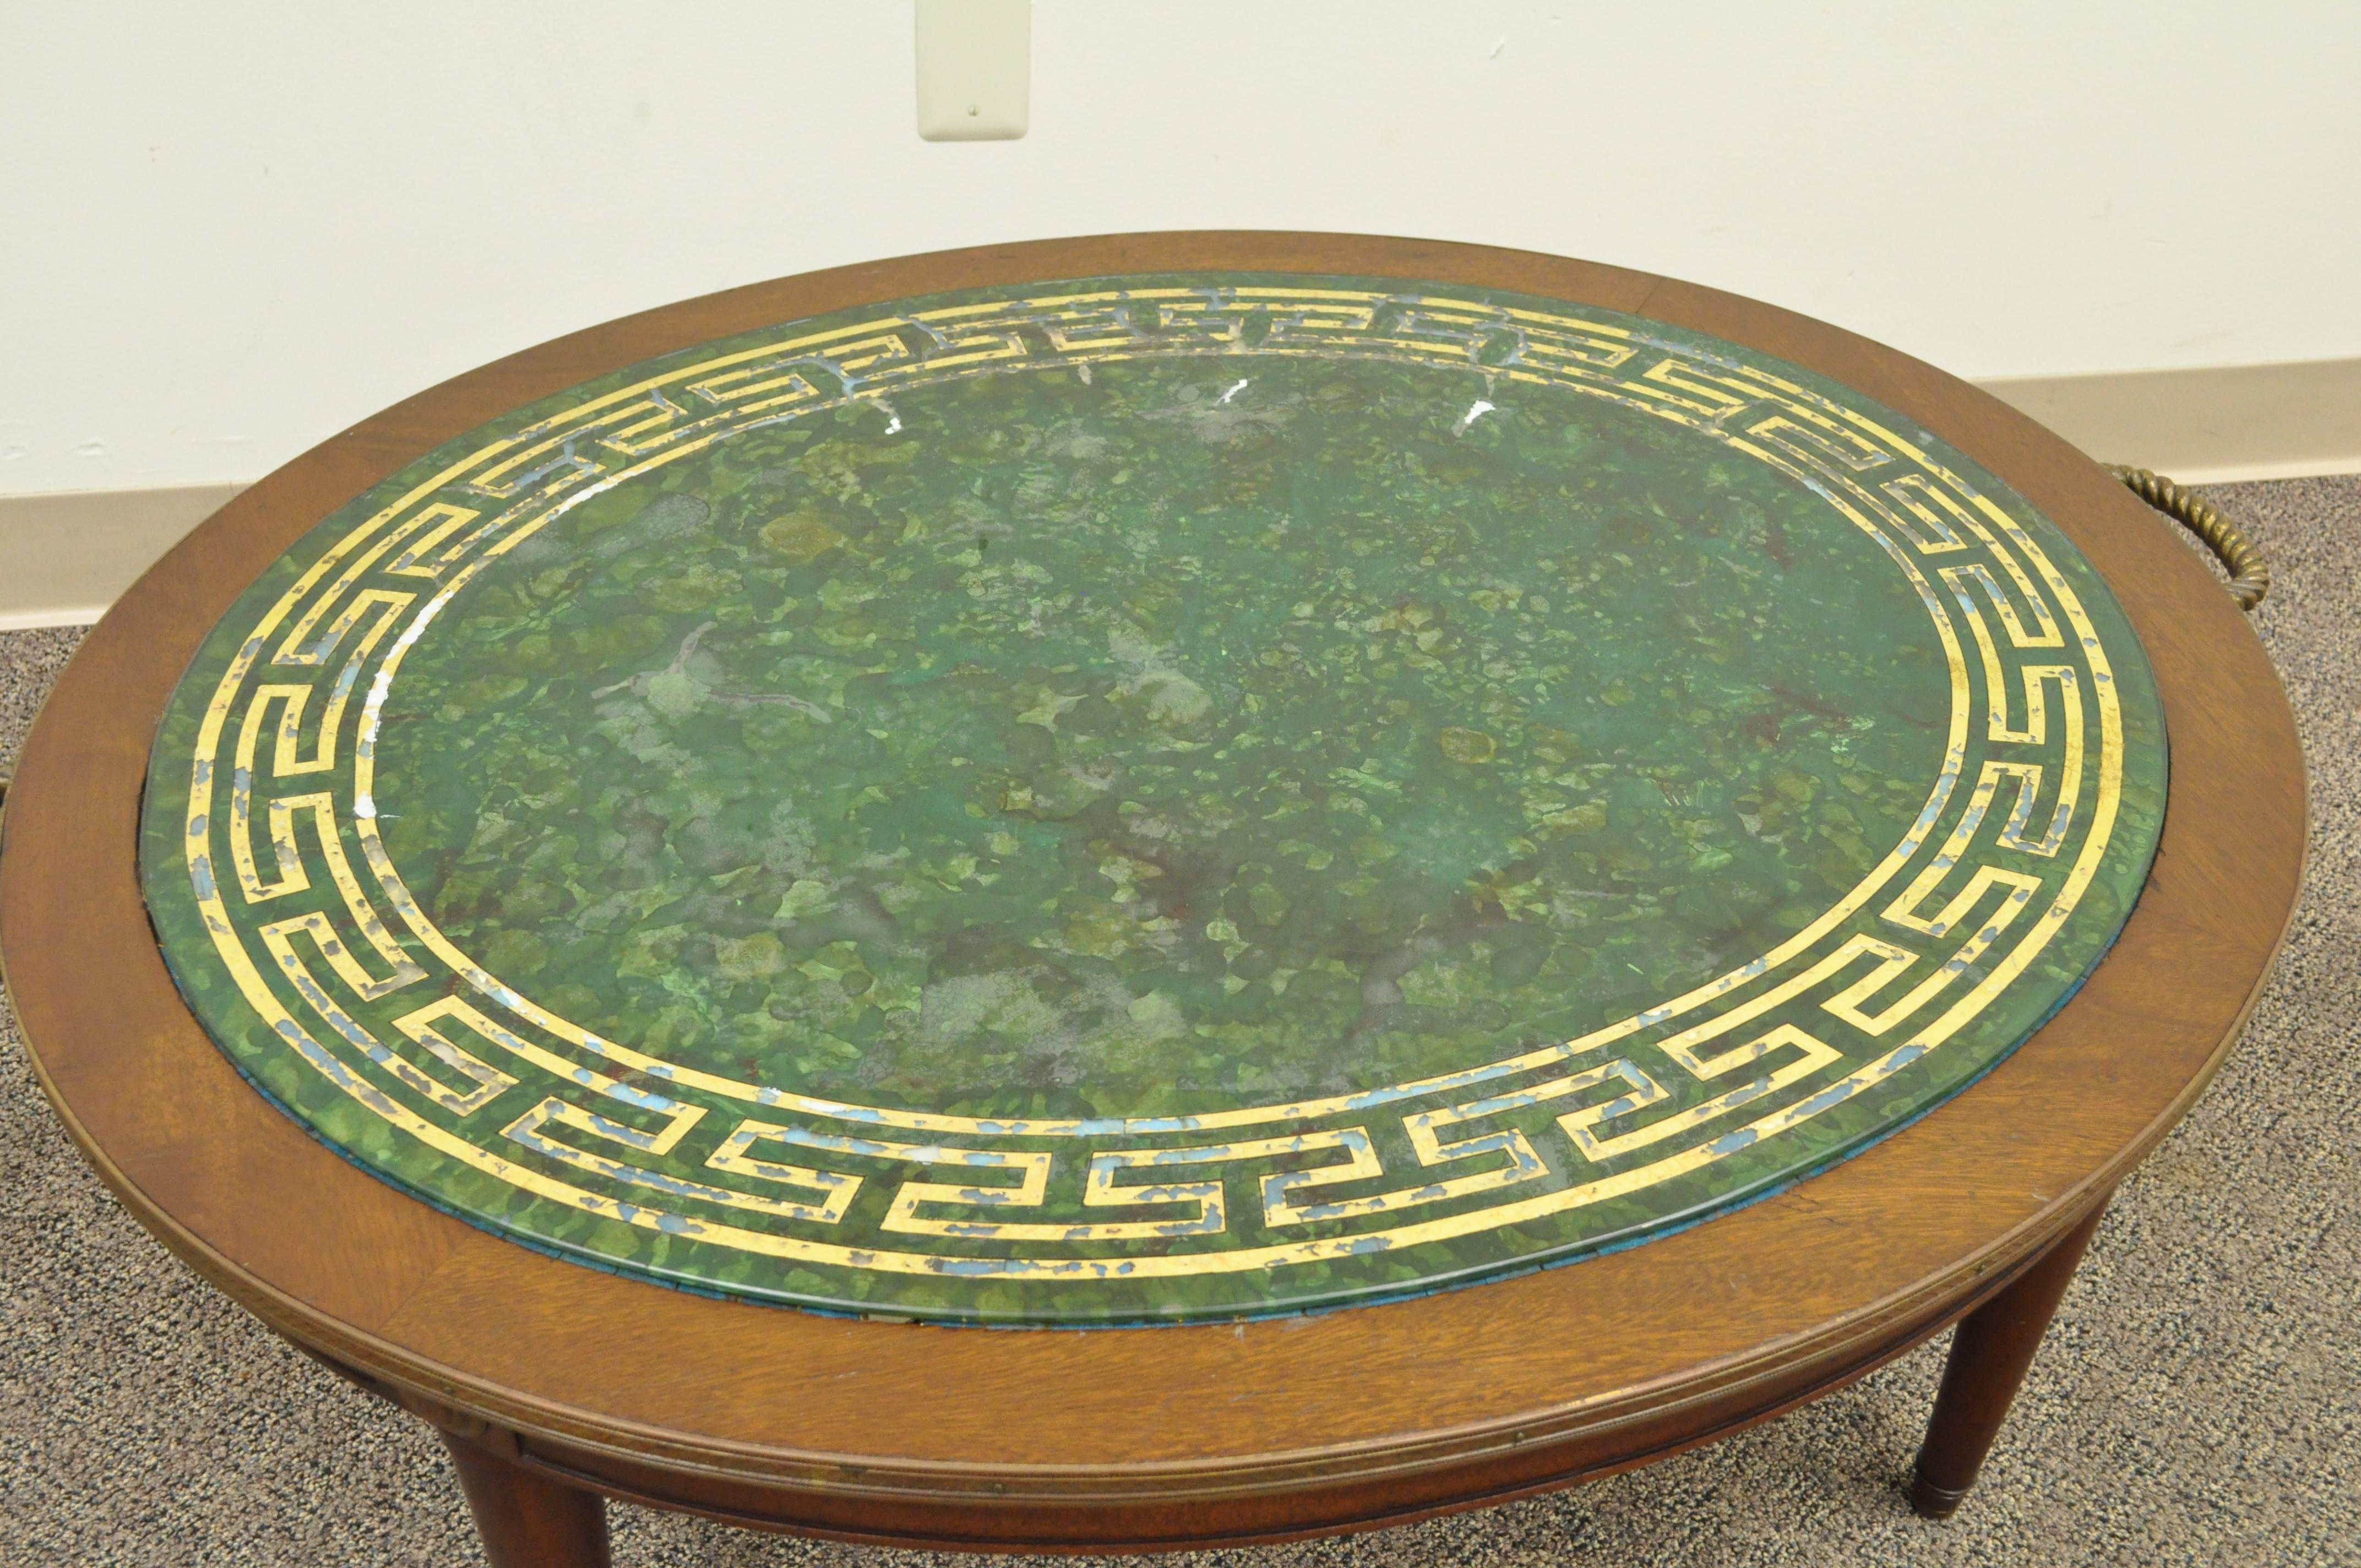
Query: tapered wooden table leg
{"type": "Point", "coordinates": [1993, 1346]}
{"type": "Point", "coordinates": [527, 1520]}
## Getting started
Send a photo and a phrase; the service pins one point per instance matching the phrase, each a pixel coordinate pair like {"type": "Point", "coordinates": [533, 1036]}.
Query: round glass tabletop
{"type": "Point", "coordinates": [1150, 798]}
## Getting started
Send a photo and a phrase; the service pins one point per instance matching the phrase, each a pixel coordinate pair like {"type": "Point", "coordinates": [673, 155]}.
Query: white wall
{"type": "Point", "coordinates": [227, 229]}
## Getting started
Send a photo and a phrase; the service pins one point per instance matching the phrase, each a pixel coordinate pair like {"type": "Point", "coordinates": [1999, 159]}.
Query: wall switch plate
{"type": "Point", "coordinates": [976, 70]}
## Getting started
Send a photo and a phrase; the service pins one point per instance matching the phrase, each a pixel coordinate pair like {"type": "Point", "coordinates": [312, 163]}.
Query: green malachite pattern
{"type": "Point", "coordinates": [1150, 798]}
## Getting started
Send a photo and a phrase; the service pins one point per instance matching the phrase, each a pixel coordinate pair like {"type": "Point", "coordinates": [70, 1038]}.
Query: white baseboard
{"type": "Point", "coordinates": [2210, 424]}
{"type": "Point", "coordinates": [65, 557]}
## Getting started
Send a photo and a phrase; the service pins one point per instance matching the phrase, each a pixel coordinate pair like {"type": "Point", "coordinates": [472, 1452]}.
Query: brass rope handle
{"type": "Point", "coordinates": [2250, 575]}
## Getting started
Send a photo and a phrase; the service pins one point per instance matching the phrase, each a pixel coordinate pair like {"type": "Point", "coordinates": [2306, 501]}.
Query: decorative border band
{"type": "Point", "coordinates": [1974, 891]}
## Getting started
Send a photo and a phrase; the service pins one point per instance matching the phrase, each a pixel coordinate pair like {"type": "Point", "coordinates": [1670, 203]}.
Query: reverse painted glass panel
{"type": "Point", "coordinates": [1149, 798]}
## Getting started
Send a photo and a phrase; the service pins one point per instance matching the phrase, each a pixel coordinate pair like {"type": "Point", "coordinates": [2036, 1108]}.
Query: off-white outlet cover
{"type": "Point", "coordinates": [976, 74]}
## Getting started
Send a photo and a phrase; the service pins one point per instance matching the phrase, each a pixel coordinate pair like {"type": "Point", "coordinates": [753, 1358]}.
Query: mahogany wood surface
{"type": "Point", "coordinates": [1989, 1357]}
{"type": "Point", "coordinates": [525, 1519]}
{"type": "Point", "coordinates": [1154, 1436]}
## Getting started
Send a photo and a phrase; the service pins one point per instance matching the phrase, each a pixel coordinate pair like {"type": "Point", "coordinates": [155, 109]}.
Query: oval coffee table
{"type": "Point", "coordinates": [1447, 871]}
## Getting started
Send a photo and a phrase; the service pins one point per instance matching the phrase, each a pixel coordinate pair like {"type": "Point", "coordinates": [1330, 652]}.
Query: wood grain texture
{"type": "Point", "coordinates": [1164, 1435]}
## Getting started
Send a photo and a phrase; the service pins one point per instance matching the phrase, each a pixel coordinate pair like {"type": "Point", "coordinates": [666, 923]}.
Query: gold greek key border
{"type": "Point", "coordinates": [448, 1048]}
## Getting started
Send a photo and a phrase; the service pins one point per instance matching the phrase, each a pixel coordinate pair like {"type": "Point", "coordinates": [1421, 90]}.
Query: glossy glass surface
{"type": "Point", "coordinates": [1150, 798]}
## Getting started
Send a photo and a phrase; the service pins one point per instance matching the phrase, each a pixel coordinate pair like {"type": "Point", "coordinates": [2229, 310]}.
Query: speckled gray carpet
{"type": "Point", "coordinates": [2197, 1401]}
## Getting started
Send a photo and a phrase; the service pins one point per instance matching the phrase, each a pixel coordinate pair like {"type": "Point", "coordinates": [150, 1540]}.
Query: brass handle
{"type": "Point", "coordinates": [2250, 575]}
